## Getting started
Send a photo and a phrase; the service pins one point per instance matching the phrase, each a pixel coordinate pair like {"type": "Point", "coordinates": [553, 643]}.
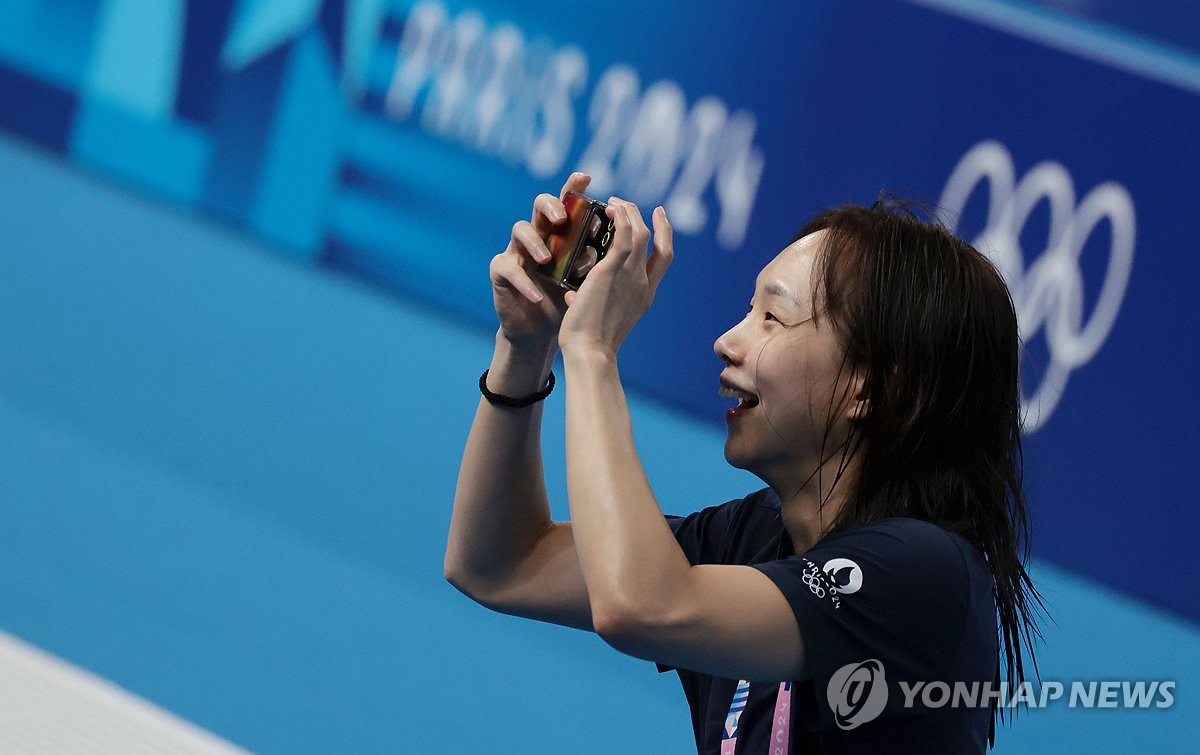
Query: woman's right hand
{"type": "Point", "coordinates": [529, 313]}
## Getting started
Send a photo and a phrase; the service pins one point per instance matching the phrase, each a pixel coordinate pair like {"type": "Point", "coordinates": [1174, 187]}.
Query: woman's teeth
{"type": "Point", "coordinates": [745, 399]}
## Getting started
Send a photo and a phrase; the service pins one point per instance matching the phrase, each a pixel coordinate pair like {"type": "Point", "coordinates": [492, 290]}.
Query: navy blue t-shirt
{"type": "Point", "coordinates": [897, 600]}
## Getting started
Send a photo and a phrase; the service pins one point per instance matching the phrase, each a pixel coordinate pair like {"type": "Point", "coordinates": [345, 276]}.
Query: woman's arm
{"type": "Point", "coordinates": [646, 599]}
{"type": "Point", "coordinates": [503, 548]}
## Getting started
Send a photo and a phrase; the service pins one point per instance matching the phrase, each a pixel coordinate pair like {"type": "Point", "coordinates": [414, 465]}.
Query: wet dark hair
{"type": "Point", "coordinates": [929, 326]}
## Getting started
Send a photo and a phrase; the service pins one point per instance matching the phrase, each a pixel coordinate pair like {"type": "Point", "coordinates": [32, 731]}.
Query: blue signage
{"type": "Point", "coordinates": [398, 141]}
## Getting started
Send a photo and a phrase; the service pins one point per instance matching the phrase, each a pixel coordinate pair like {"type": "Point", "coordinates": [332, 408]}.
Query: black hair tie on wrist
{"type": "Point", "coordinates": [516, 403]}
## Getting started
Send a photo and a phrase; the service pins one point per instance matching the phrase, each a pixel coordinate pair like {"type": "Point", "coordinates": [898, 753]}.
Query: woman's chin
{"type": "Point", "coordinates": [737, 457]}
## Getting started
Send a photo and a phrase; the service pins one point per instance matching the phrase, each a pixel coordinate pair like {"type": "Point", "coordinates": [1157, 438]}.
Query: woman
{"type": "Point", "coordinates": [876, 383]}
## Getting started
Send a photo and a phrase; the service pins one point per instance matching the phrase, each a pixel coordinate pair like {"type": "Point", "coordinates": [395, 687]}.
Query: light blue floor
{"type": "Point", "coordinates": [226, 479]}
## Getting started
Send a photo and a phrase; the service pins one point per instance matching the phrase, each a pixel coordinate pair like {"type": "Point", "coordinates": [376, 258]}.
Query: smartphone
{"type": "Point", "coordinates": [577, 245]}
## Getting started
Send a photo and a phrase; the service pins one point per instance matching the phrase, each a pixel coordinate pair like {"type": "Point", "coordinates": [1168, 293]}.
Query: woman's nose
{"type": "Point", "coordinates": [727, 347]}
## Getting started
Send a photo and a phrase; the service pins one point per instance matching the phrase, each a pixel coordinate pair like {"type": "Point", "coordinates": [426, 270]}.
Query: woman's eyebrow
{"type": "Point", "coordinates": [781, 290]}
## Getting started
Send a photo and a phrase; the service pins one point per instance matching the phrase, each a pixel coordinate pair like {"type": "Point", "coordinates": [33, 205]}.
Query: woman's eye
{"type": "Point", "coordinates": [766, 316]}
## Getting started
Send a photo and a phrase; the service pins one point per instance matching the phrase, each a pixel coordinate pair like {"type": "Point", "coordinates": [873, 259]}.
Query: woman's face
{"type": "Point", "coordinates": [784, 367]}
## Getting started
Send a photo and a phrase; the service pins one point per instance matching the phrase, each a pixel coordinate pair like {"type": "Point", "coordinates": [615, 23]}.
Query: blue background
{"type": "Point", "coordinates": [228, 276]}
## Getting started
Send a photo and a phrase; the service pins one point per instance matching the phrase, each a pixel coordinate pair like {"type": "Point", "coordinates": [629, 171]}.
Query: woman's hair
{"type": "Point", "coordinates": [929, 326]}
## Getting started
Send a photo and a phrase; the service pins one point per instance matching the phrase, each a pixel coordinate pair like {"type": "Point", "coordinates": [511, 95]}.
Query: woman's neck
{"type": "Point", "coordinates": [811, 511]}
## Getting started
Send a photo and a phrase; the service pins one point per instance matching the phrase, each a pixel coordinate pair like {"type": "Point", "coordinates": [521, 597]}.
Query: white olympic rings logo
{"type": "Point", "coordinates": [1049, 292]}
{"type": "Point", "coordinates": [810, 578]}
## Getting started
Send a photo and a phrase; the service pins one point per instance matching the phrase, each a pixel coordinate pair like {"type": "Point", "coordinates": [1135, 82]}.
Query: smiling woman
{"type": "Point", "coordinates": [876, 383]}
{"type": "Point", "coordinates": [788, 363]}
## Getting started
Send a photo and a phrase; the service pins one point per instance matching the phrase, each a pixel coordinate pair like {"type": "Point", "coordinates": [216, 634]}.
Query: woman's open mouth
{"type": "Point", "coordinates": [746, 401]}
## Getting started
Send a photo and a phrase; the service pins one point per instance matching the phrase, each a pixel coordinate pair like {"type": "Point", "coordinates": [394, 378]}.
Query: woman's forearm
{"type": "Point", "coordinates": [500, 504]}
{"type": "Point", "coordinates": [629, 557]}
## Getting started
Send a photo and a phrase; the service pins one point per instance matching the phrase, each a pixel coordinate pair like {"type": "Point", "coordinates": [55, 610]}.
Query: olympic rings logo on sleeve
{"type": "Point", "coordinates": [819, 582]}
{"type": "Point", "coordinates": [1048, 293]}
{"type": "Point", "coordinates": [812, 580]}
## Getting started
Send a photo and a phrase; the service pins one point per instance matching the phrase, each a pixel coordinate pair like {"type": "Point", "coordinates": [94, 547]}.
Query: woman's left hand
{"type": "Point", "coordinates": [620, 288]}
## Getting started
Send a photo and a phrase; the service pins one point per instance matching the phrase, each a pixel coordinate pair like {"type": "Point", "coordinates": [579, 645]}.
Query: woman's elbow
{"type": "Point", "coordinates": [462, 579]}
{"type": "Point", "coordinates": [486, 592]}
{"type": "Point", "coordinates": [627, 627]}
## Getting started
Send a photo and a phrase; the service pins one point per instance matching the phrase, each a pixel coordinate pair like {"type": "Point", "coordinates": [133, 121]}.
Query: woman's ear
{"type": "Point", "coordinates": [859, 406]}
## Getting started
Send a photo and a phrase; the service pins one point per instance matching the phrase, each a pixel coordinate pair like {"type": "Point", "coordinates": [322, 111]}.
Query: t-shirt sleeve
{"type": "Point", "coordinates": [884, 602]}
{"type": "Point", "coordinates": [704, 535]}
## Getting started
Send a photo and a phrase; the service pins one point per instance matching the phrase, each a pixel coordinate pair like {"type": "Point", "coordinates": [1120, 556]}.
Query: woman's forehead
{"type": "Point", "coordinates": [792, 269]}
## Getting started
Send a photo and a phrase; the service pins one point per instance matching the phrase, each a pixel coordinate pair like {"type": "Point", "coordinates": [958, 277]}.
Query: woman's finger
{"type": "Point", "coordinates": [622, 243]}
{"type": "Point", "coordinates": [548, 213]}
{"type": "Point", "coordinates": [639, 234]}
{"type": "Point", "coordinates": [506, 272]}
{"type": "Point", "coordinates": [664, 247]}
{"type": "Point", "coordinates": [526, 237]}
{"type": "Point", "coordinates": [548, 210]}
{"type": "Point", "coordinates": [575, 182]}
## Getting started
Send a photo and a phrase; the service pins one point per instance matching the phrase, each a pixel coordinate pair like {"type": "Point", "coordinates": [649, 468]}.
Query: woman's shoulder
{"type": "Point", "coordinates": [760, 503]}
{"type": "Point", "coordinates": [917, 548]}
{"type": "Point", "coordinates": [903, 530]}
{"type": "Point", "coordinates": [730, 532]}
